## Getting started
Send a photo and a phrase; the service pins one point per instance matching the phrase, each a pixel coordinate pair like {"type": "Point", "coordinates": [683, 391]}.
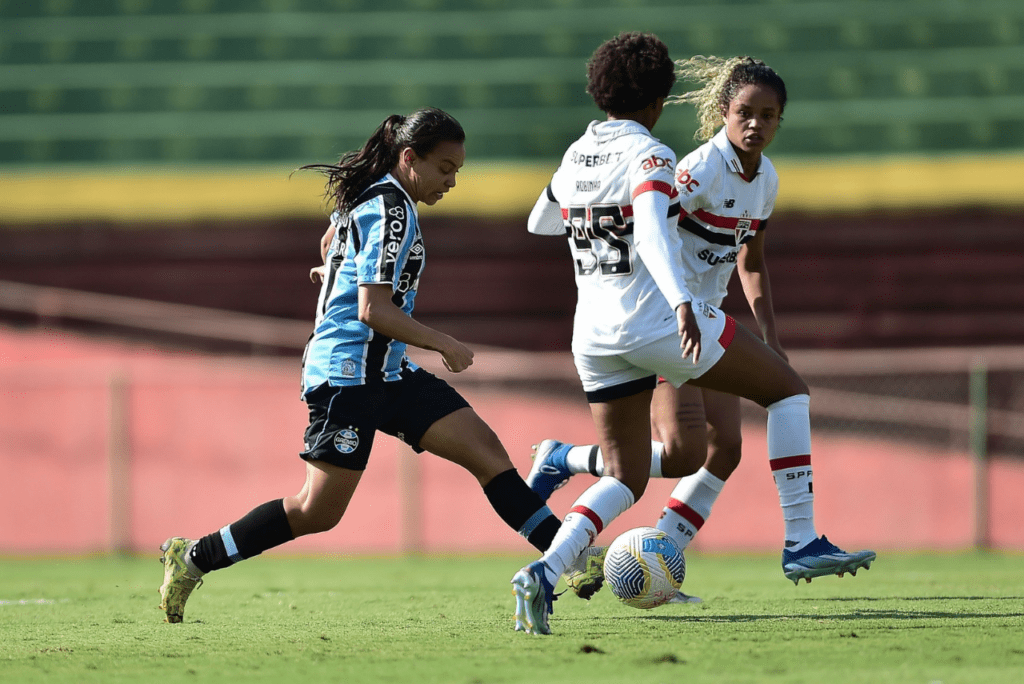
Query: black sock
{"type": "Point", "coordinates": [522, 509]}
{"type": "Point", "coordinates": [264, 527]}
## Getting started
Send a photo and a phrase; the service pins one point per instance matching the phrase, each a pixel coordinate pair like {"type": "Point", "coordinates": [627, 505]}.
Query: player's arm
{"type": "Point", "coordinates": [377, 310]}
{"type": "Point", "coordinates": [659, 246]}
{"type": "Point", "coordinates": [546, 216]}
{"type": "Point", "coordinates": [753, 272]}
{"type": "Point", "coordinates": [317, 273]}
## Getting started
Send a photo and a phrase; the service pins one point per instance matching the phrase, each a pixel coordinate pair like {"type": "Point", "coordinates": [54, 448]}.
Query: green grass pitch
{"type": "Point", "coordinates": [924, 618]}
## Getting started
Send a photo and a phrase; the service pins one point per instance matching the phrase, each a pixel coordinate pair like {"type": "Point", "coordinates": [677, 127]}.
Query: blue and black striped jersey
{"type": "Point", "coordinates": [378, 242]}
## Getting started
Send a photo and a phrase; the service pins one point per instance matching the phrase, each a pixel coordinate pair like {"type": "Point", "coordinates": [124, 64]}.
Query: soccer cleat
{"type": "Point", "coordinates": [586, 574]}
{"type": "Point", "coordinates": [178, 583]}
{"type": "Point", "coordinates": [534, 596]}
{"type": "Point", "coordinates": [821, 557]}
{"type": "Point", "coordinates": [680, 597]}
{"type": "Point", "coordinates": [549, 470]}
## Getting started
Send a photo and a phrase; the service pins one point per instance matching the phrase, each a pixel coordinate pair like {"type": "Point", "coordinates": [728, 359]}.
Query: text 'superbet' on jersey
{"type": "Point", "coordinates": [378, 242]}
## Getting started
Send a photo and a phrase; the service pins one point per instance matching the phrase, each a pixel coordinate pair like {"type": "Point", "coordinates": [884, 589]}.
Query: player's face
{"type": "Point", "coordinates": [752, 119]}
{"type": "Point", "coordinates": [431, 176]}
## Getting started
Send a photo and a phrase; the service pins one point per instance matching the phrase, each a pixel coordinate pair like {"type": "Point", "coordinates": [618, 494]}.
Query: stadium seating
{"type": "Point", "coordinates": [115, 80]}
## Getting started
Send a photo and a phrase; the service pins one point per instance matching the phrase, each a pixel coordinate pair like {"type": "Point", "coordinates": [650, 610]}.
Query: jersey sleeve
{"type": "Point", "coordinates": [387, 230]}
{"type": "Point", "coordinates": [546, 216]}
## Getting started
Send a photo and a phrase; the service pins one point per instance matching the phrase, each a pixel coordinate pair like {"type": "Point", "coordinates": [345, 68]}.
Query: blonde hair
{"type": "Point", "coordinates": [720, 80]}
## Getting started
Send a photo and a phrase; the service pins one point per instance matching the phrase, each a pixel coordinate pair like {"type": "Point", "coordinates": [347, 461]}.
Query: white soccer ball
{"type": "Point", "coordinates": [644, 567]}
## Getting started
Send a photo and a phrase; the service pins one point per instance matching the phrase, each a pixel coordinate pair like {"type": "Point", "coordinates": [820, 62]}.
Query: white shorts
{"type": "Point", "coordinates": [621, 375]}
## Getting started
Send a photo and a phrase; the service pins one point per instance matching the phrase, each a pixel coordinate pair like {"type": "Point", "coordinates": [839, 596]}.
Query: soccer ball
{"type": "Point", "coordinates": [644, 567]}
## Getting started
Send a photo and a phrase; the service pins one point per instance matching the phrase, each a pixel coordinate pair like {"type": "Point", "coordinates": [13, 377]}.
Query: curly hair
{"type": "Point", "coordinates": [629, 72]}
{"type": "Point", "coordinates": [355, 171]}
{"type": "Point", "coordinates": [722, 79]}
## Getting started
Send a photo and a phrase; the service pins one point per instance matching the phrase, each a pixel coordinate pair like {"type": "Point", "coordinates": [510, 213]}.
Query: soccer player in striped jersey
{"type": "Point", "coordinates": [634, 286]}
{"type": "Point", "coordinates": [356, 376]}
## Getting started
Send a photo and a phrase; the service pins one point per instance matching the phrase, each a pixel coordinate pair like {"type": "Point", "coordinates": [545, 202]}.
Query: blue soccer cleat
{"type": "Point", "coordinates": [534, 596]}
{"type": "Point", "coordinates": [821, 557]}
{"type": "Point", "coordinates": [549, 470]}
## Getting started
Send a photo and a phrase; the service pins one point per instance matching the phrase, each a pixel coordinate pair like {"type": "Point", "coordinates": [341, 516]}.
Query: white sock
{"type": "Point", "coordinates": [600, 504]}
{"type": "Point", "coordinates": [689, 506]}
{"type": "Point", "coordinates": [789, 455]}
{"type": "Point", "coordinates": [588, 459]}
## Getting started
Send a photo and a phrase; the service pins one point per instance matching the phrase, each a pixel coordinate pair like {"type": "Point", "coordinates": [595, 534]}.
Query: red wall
{"type": "Point", "coordinates": [212, 437]}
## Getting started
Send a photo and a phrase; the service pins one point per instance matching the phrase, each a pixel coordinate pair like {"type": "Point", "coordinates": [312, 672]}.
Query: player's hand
{"type": "Point", "coordinates": [689, 333]}
{"type": "Point", "coordinates": [318, 273]}
{"type": "Point", "coordinates": [456, 356]}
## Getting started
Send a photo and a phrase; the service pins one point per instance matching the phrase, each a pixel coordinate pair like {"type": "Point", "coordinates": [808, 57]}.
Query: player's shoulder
{"type": "Point", "coordinates": [706, 160]}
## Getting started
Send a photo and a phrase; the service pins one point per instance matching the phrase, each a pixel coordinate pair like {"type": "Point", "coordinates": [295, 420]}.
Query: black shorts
{"type": "Point", "coordinates": [344, 420]}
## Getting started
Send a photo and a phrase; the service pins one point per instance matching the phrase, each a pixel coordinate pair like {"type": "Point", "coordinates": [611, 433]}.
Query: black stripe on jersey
{"type": "Point", "coordinates": [700, 231]}
{"type": "Point", "coordinates": [674, 209]}
{"type": "Point", "coordinates": [376, 352]}
{"type": "Point", "coordinates": [551, 195]}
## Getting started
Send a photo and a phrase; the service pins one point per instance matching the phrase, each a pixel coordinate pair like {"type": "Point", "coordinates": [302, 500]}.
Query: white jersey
{"type": "Point", "coordinates": [721, 209]}
{"type": "Point", "coordinates": [619, 305]}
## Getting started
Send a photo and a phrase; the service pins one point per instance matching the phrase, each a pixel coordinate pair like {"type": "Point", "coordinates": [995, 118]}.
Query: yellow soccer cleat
{"type": "Point", "coordinates": [178, 582]}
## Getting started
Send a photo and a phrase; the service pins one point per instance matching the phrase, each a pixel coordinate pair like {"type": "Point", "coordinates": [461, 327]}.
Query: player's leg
{"type": "Point", "coordinates": [316, 508]}
{"type": "Point", "coordinates": [750, 369]}
{"type": "Point", "coordinates": [623, 427]}
{"type": "Point", "coordinates": [689, 505]}
{"type": "Point", "coordinates": [436, 418]}
{"type": "Point", "coordinates": [338, 441]}
{"type": "Point", "coordinates": [679, 421]}
{"type": "Point", "coordinates": [677, 447]}
{"type": "Point", "coordinates": [462, 437]}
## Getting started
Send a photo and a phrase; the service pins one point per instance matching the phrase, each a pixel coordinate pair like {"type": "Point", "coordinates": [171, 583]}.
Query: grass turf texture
{"type": "Point", "coordinates": [912, 618]}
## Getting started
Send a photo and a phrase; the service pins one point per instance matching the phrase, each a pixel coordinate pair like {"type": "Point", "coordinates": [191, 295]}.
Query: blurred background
{"type": "Point", "coordinates": [155, 242]}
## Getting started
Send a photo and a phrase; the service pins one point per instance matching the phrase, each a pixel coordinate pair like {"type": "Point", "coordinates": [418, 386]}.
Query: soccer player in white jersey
{"type": "Point", "coordinates": [356, 376]}
{"type": "Point", "coordinates": [636, 317]}
{"type": "Point", "coordinates": [727, 189]}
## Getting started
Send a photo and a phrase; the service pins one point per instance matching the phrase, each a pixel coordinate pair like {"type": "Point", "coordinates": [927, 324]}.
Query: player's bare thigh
{"type": "Point", "coordinates": [750, 369]}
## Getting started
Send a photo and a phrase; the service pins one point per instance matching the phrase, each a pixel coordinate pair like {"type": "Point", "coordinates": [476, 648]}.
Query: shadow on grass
{"type": "Point", "coordinates": [864, 614]}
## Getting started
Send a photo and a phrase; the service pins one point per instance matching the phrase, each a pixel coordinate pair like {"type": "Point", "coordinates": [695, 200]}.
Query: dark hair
{"type": "Point", "coordinates": [355, 171]}
{"type": "Point", "coordinates": [721, 80]}
{"type": "Point", "coordinates": [629, 72]}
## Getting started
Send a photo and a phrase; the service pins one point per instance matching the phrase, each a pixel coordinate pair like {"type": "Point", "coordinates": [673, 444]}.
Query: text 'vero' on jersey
{"type": "Point", "coordinates": [720, 210]}
{"type": "Point", "coordinates": [619, 306]}
{"type": "Point", "coordinates": [377, 242]}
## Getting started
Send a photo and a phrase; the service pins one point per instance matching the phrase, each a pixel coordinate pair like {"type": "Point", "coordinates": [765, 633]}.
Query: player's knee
{"type": "Point", "coordinates": [683, 457]}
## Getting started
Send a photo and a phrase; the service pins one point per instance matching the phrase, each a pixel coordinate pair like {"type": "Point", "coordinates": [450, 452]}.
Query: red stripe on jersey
{"type": "Point", "coordinates": [789, 462]}
{"type": "Point", "coordinates": [658, 186]}
{"type": "Point", "coordinates": [589, 515]}
{"type": "Point", "coordinates": [724, 221]}
{"type": "Point", "coordinates": [565, 214]}
{"type": "Point", "coordinates": [725, 339]}
{"type": "Point", "coordinates": [685, 512]}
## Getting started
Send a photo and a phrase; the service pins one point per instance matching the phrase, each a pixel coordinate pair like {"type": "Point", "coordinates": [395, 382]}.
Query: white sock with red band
{"type": "Point", "coordinates": [789, 455]}
{"type": "Point", "coordinates": [689, 506]}
{"type": "Point", "coordinates": [600, 504]}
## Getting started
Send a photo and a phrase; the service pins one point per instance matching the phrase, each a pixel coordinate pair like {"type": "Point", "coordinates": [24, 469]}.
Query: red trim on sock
{"type": "Point", "coordinates": [728, 333]}
{"type": "Point", "coordinates": [589, 515]}
{"type": "Point", "coordinates": [685, 512]}
{"type": "Point", "coordinates": [789, 462]}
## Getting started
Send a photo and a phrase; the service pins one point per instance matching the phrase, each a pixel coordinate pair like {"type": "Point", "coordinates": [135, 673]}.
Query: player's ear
{"type": "Point", "coordinates": [408, 155]}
